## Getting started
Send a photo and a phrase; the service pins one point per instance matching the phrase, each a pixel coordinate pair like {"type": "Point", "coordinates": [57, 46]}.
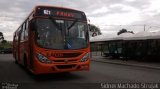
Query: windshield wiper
{"type": "Point", "coordinates": [72, 24]}
{"type": "Point", "coordinates": [54, 22]}
{"type": "Point", "coordinates": [59, 28]}
{"type": "Point", "coordinates": [67, 43]}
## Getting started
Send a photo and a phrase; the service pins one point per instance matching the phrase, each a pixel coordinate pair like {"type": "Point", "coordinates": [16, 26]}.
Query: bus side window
{"type": "Point", "coordinates": [14, 36]}
{"type": "Point", "coordinates": [26, 30]}
{"type": "Point", "coordinates": [18, 35]}
{"type": "Point", "coordinates": [22, 32]}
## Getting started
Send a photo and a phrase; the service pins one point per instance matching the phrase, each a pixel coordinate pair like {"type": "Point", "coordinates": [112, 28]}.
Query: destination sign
{"type": "Point", "coordinates": [59, 12]}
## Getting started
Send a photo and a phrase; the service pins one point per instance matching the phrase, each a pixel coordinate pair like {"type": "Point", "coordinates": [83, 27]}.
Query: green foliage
{"type": "Point", "coordinates": [4, 41]}
{"type": "Point", "coordinates": [94, 28]}
{"type": "Point", "coordinates": [1, 36]}
{"type": "Point", "coordinates": [124, 31]}
{"type": "Point", "coordinates": [5, 45]}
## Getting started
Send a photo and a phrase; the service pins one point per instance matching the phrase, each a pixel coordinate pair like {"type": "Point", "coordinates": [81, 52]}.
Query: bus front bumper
{"type": "Point", "coordinates": [43, 68]}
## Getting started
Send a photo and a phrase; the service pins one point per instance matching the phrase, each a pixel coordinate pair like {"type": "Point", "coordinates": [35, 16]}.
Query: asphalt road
{"type": "Point", "coordinates": [99, 73]}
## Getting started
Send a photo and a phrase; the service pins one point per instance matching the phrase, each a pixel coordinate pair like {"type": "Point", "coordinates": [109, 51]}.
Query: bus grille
{"type": "Point", "coordinates": [57, 61]}
{"type": "Point", "coordinates": [65, 66]}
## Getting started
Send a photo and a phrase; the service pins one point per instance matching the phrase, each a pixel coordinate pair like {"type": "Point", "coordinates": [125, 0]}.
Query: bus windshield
{"type": "Point", "coordinates": [61, 34]}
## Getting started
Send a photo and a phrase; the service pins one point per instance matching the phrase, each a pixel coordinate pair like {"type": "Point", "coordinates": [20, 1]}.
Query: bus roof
{"type": "Point", "coordinates": [46, 6]}
{"type": "Point", "coordinates": [59, 12]}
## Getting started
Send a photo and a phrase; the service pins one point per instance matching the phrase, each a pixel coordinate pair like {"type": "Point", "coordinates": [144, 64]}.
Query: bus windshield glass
{"type": "Point", "coordinates": [61, 34]}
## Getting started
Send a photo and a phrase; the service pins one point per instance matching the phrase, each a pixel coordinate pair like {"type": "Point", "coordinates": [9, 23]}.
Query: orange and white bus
{"type": "Point", "coordinates": [52, 40]}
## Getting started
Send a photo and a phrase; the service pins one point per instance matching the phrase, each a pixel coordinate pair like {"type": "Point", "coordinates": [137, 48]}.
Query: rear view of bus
{"type": "Point", "coordinates": [57, 41]}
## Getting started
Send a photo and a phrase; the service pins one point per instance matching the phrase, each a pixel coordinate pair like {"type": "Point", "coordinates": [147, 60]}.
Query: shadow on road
{"type": "Point", "coordinates": [53, 77]}
{"type": "Point", "coordinates": [17, 73]}
{"type": "Point", "coordinates": [56, 77]}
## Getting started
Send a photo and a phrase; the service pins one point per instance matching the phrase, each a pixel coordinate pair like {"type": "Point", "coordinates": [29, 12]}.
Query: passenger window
{"type": "Point", "coordinates": [26, 30]}
{"type": "Point", "coordinates": [22, 33]}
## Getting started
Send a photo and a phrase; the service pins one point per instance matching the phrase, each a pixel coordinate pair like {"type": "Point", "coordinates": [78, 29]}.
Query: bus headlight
{"type": "Point", "coordinates": [43, 59]}
{"type": "Point", "coordinates": [85, 58]}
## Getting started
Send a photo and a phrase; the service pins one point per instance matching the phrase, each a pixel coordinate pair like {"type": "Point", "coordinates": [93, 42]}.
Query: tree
{"type": "Point", "coordinates": [1, 36]}
{"type": "Point", "coordinates": [5, 44]}
{"type": "Point", "coordinates": [95, 30]}
{"type": "Point", "coordinates": [131, 32]}
{"type": "Point", "coordinates": [4, 41]}
{"type": "Point", "coordinates": [124, 31]}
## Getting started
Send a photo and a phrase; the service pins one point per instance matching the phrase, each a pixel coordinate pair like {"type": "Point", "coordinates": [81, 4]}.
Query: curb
{"type": "Point", "coordinates": [144, 66]}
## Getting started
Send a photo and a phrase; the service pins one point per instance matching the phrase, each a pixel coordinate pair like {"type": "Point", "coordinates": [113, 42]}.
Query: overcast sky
{"type": "Point", "coordinates": [109, 15]}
